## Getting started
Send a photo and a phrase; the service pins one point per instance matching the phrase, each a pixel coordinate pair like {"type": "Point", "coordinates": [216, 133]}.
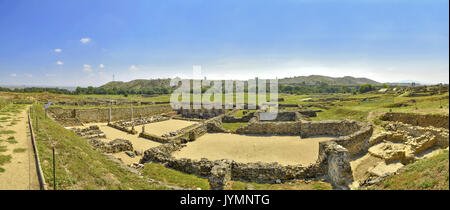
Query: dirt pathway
{"type": "Point", "coordinates": [20, 173]}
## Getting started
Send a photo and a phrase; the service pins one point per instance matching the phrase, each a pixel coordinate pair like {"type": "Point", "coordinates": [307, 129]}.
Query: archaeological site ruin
{"type": "Point", "coordinates": [289, 147]}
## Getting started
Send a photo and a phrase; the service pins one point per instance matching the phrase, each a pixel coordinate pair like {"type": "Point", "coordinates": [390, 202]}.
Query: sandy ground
{"type": "Point", "coordinates": [20, 173]}
{"type": "Point", "coordinates": [139, 144]}
{"type": "Point", "coordinates": [286, 150]}
{"type": "Point", "coordinates": [164, 127]}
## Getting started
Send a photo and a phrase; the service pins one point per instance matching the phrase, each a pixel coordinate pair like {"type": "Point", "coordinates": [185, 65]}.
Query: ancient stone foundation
{"type": "Point", "coordinates": [200, 113]}
{"type": "Point", "coordinates": [423, 120]}
{"type": "Point", "coordinates": [115, 146]}
{"type": "Point", "coordinates": [220, 175]}
{"type": "Point", "coordinates": [90, 132]}
{"type": "Point", "coordinates": [333, 160]}
{"type": "Point", "coordinates": [67, 116]}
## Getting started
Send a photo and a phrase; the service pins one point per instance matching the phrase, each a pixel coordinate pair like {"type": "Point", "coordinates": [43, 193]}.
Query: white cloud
{"type": "Point", "coordinates": [87, 68]}
{"type": "Point", "coordinates": [59, 63]}
{"type": "Point", "coordinates": [85, 40]}
{"type": "Point", "coordinates": [29, 75]}
{"type": "Point", "coordinates": [50, 75]}
{"type": "Point", "coordinates": [133, 68]}
{"type": "Point", "coordinates": [13, 75]}
{"type": "Point", "coordinates": [58, 50]}
{"type": "Point", "coordinates": [101, 66]}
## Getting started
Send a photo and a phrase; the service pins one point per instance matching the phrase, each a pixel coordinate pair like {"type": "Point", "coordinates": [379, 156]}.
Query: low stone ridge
{"type": "Point", "coordinates": [142, 121]}
{"type": "Point", "coordinates": [118, 126]}
{"type": "Point", "coordinates": [90, 132]}
{"type": "Point", "coordinates": [114, 146]}
{"type": "Point", "coordinates": [103, 102]}
{"type": "Point", "coordinates": [305, 128]}
{"type": "Point", "coordinates": [232, 119]}
{"type": "Point", "coordinates": [200, 113]}
{"type": "Point", "coordinates": [330, 127]}
{"type": "Point", "coordinates": [282, 116]}
{"type": "Point", "coordinates": [63, 115]}
{"type": "Point", "coordinates": [423, 120]}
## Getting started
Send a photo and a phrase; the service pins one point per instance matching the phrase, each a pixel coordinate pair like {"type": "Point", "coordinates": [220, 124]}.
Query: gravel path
{"type": "Point", "coordinates": [20, 173]}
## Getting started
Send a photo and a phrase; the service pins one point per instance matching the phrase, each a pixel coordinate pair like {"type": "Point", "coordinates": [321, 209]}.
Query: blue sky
{"type": "Point", "coordinates": [85, 42]}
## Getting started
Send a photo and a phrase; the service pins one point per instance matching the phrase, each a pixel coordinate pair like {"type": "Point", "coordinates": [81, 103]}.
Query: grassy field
{"type": "Point", "coordinates": [4, 103]}
{"type": "Point", "coordinates": [426, 174]}
{"type": "Point", "coordinates": [173, 177]}
{"type": "Point", "coordinates": [359, 110]}
{"type": "Point", "coordinates": [78, 165]}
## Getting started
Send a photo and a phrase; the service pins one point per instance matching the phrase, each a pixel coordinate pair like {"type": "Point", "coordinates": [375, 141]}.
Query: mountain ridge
{"type": "Point", "coordinates": [298, 80]}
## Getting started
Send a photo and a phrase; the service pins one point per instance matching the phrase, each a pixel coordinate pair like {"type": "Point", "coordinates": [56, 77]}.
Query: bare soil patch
{"type": "Point", "coordinates": [286, 150]}
{"type": "Point", "coordinates": [164, 127]}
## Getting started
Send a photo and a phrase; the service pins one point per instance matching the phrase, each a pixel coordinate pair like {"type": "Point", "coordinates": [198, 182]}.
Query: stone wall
{"type": "Point", "coordinates": [90, 132]}
{"type": "Point", "coordinates": [329, 128]}
{"type": "Point", "coordinates": [200, 113]}
{"type": "Point", "coordinates": [307, 128]}
{"type": "Point", "coordinates": [358, 142]}
{"type": "Point", "coordinates": [184, 135]}
{"type": "Point", "coordinates": [424, 120]}
{"type": "Point", "coordinates": [232, 119]}
{"type": "Point", "coordinates": [115, 146]}
{"type": "Point", "coordinates": [283, 116]}
{"type": "Point", "coordinates": [281, 128]}
{"type": "Point", "coordinates": [255, 172]}
{"type": "Point", "coordinates": [102, 114]}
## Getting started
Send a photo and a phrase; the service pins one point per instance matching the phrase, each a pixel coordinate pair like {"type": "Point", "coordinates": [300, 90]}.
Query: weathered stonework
{"type": "Point", "coordinates": [200, 113]}
{"type": "Point", "coordinates": [90, 132]}
{"type": "Point", "coordinates": [124, 129]}
{"type": "Point", "coordinates": [115, 146]}
{"type": "Point", "coordinates": [102, 114]}
{"type": "Point", "coordinates": [403, 142]}
{"type": "Point", "coordinates": [220, 175]}
{"type": "Point", "coordinates": [339, 169]}
{"type": "Point", "coordinates": [423, 120]}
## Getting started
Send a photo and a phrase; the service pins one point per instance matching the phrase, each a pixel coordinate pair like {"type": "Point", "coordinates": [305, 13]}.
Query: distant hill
{"type": "Point", "coordinates": [141, 84]}
{"type": "Point", "coordinates": [314, 79]}
{"type": "Point", "coordinates": [138, 84]}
